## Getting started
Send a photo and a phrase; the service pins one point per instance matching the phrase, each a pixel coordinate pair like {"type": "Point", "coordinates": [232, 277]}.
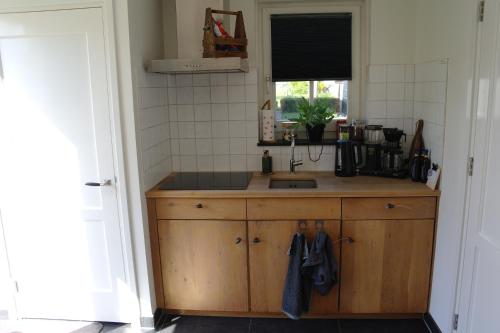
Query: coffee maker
{"type": "Point", "coordinates": [393, 162]}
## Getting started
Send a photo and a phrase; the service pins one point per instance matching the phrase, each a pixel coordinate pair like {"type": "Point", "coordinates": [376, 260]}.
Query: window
{"type": "Point", "coordinates": [288, 94]}
{"type": "Point", "coordinates": [302, 69]}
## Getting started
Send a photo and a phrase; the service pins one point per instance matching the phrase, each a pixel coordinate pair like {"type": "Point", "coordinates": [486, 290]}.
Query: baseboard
{"type": "Point", "coordinates": [162, 319]}
{"type": "Point", "coordinates": [147, 322]}
{"type": "Point", "coordinates": [431, 324]}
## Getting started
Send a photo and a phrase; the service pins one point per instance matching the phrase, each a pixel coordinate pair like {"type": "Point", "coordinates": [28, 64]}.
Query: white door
{"type": "Point", "coordinates": [63, 238]}
{"type": "Point", "coordinates": [479, 305]}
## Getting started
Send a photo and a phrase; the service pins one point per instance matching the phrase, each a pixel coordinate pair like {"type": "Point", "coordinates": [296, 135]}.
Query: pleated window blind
{"type": "Point", "coordinates": [311, 47]}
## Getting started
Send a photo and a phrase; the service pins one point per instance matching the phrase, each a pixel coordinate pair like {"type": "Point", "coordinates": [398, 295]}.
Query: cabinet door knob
{"type": "Point", "coordinates": [199, 205]}
{"type": "Point", "coordinates": [256, 240]}
{"type": "Point", "coordinates": [390, 206]}
{"type": "Point", "coordinates": [238, 240]}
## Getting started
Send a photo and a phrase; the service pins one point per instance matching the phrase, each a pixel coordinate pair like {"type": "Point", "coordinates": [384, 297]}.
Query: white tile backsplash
{"type": "Point", "coordinates": [204, 146]}
{"type": "Point", "coordinates": [251, 93]}
{"type": "Point", "coordinates": [151, 97]}
{"type": "Point", "coordinates": [205, 163]}
{"type": "Point", "coordinates": [208, 122]}
{"type": "Point", "coordinates": [203, 112]}
{"type": "Point", "coordinates": [395, 91]}
{"type": "Point", "coordinates": [188, 163]}
{"type": "Point", "coordinates": [377, 92]}
{"type": "Point", "coordinates": [376, 109]}
{"type": "Point", "coordinates": [218, 79]}
{"type": "Point", "coordinates": [218, 94]}
{"type": "Point", "coordinates": [201, 95]}
{"type": "Point", "coordinates": [187, 147]}
{"type": "Point", "coordinates": [184, 80]}
{"type": "Point", "coordinates": [186, 130]}
{"type": "Point", "coordinates": [238, 162]}
{"type": "Point", "coordinates": [237, 111]}
{"type": "Point", "coordinates": [220, 129]}
{"type": "Point", "coordinates": [185, 112]}
{"type": "Point", "coordinates": [430, 104]}
{"type": "Point", "coordinates": [154, 132]}
{"type": "Point", "coordinates": [220, 146]}
{"type": "Point", "coordinates": [412, 92]}
{"type": "Point", "coordinates": [185, 95]}
{"type": "Point", "coordinates": [236, 79]}
{"type": "Point", "coordinates": [236, 94]}
{"type": "Point", "coordinates": [213, 123]}
{"type": "Point", "coordinates": [238, 146]}
{"type": "Point", "coordinates": [201, 80]}
{"type": "Point", "coordinates": [203, 130]}
{"type": "Point", "coordinates": [237, 129]}
{"type": "Point", "coordinates": [396, 73]}
{"type": "Point", "coordinates": [220, 112]}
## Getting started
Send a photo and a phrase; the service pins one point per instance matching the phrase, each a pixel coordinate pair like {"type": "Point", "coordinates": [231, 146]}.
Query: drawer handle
{"type": "Point", "coordinates": [390, 206]}
{"type": "Point", "coordinates": [238, 240]}
{"type": "Point", "coordinates": [349, 240]}
{"type": "Point", "coordinates": [199, 205]}
{"type": "Point", "coordinates": [256, 240]}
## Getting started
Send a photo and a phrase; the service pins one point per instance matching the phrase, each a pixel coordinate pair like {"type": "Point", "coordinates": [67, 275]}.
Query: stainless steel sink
{"type": "Point", "coordinates": [293, 183]}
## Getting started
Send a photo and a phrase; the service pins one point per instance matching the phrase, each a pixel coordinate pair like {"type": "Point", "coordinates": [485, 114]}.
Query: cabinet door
{"type": "Point", "coordinates": [204, 264]}
{"type": "Point", "coordinates": [268, 245]}
{"type": "Point", "coordinates": [387, 268]}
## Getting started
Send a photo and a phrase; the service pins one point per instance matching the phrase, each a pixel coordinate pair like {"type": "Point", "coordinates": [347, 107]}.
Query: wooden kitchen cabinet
{"type": "Point", "coordinates": [269, 242]}
{"type": "Point", "coordinates": [388, 267]}
{"type": "Point", "coordinates": [225, 253]}
{"type": "Point", "coordinates": [204, 264]}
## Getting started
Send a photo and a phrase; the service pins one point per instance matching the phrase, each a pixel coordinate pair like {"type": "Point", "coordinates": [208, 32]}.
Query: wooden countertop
{"type": "Point", "coordinates": [328, 186]}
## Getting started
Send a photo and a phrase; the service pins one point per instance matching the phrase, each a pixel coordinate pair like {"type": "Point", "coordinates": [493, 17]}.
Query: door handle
{"type": "Point", "coordinates": [238, 240]}
{"type": "Point", "coordinates": [106, 182]}
{"type": "Point", "coordinates": [256, 240]}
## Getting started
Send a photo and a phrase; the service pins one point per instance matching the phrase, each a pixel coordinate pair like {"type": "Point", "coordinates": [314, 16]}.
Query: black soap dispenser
{"type": "Point", "coordinates": [267, 163]}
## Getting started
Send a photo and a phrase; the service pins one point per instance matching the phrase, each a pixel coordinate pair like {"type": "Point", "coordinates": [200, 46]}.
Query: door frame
{"type": "Point", "coordinates": [464, 282]}
{"type": "Point", "coordinates": [116, 121]}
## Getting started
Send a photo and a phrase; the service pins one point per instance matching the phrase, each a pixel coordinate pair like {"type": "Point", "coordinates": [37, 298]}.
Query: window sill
{"type": "Point", "coordinates": [298, 142]}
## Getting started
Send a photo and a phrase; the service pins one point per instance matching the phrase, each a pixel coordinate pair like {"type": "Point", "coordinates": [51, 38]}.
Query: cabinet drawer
{"type": "Point", "coordinates": [200, 209]}
{"type": "Point", "coordinates": [293, 208]}
{"type": "Point", "coordinates": [389, 208]}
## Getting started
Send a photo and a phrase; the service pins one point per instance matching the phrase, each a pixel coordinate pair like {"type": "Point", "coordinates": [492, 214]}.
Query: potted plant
{"type": "Point", "coordinates": [314, 117]}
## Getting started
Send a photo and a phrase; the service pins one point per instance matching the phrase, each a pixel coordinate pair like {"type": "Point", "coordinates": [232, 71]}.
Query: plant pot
{"type": "Point", "coordinates": [315, 133]}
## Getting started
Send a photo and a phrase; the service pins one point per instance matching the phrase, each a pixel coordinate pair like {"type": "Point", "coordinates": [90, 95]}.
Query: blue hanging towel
{"type": "Point", "coordinates": [320, 266]}
{"type": "Point", "coordinates": [297, 292]}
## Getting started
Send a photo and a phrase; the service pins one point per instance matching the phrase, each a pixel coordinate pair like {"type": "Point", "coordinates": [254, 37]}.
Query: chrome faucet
{"type": "Point", "coordinates": [293, 162]}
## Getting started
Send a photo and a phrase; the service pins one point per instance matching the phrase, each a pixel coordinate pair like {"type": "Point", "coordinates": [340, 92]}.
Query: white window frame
{"type": "Point", "coordinates": [359, 46]}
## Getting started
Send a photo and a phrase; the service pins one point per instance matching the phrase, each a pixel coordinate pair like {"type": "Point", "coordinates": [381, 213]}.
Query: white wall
{"type": "Point", "coordinates": [147, 131]}
{"type": "Point", "coordinates": [401, 32]}
{"type": "Point", "coordinates": [446, 29]}
{"type": "Point", "coordinates": [392, 31]}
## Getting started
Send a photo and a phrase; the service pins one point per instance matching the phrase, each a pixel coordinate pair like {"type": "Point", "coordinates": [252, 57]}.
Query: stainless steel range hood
{"type": "Point", "coordinates": [200, 65]}
{"type": "Point", "coordinates": [183, 40]}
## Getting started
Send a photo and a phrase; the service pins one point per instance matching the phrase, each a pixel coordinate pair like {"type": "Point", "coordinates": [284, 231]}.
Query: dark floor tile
{"type": "Point", "coordinates": [197, 324]}
{"type": "Point", "coordinates": [382, 326]}
{"type": "Point", "coordinates": [261, 325]}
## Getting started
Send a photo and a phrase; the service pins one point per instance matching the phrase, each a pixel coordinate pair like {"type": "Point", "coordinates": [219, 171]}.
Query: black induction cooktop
{"type": "Point", "coordinates": [208, 181]}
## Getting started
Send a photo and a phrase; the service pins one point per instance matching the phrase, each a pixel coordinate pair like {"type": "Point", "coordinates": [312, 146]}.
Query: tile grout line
{"type": "Point", "coordinates": [249, 325]}
{"type": "Point", "coordinates": [338, 326]}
